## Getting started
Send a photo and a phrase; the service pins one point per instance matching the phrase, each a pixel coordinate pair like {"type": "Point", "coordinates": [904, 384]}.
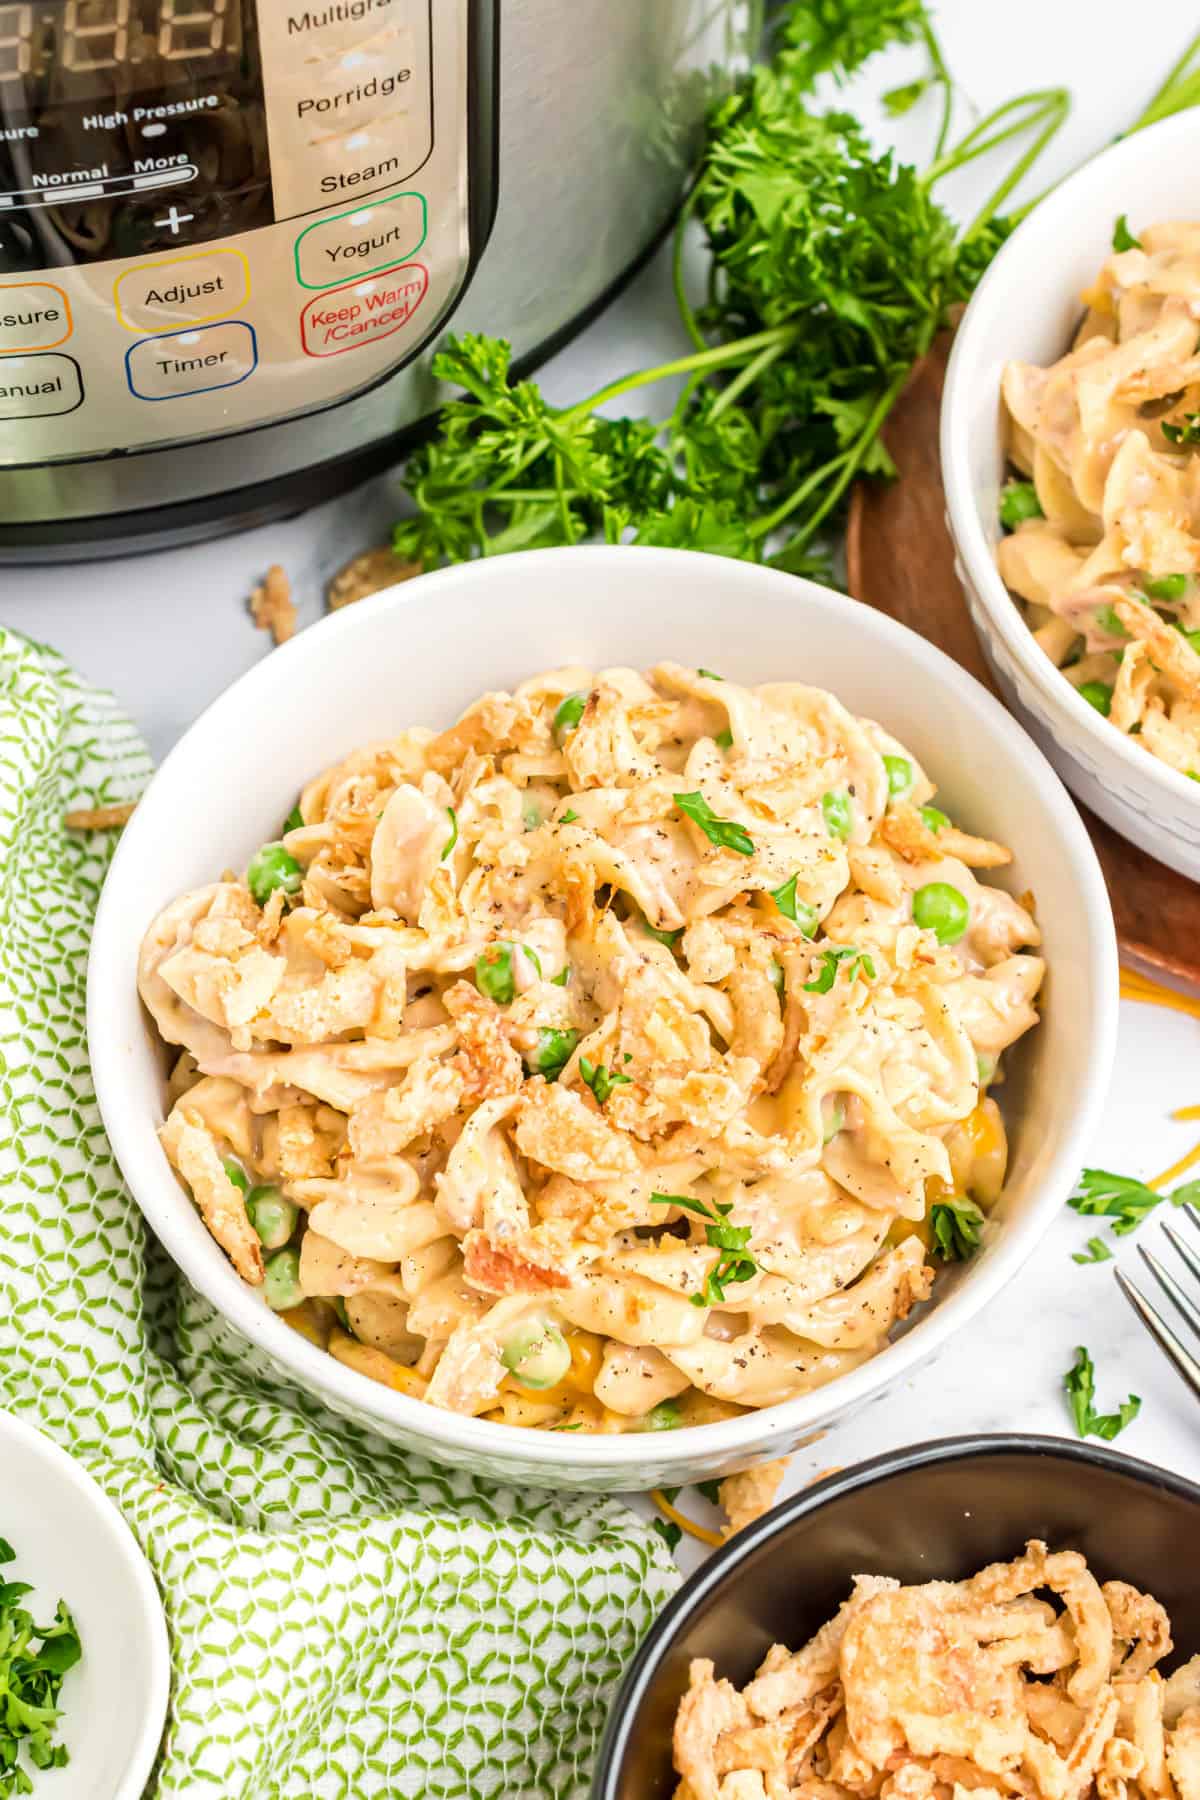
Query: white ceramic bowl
{"type": "Point", "coordinates": [72, 1544]}
{"type": "Point", "coordinates": [1026, 309]}
{"type": "Point", "coordinates": [421, 653]}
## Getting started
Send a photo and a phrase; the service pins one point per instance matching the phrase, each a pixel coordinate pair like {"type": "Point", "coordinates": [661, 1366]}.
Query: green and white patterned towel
{"type": "Point", "coordinates": [345, 1620]}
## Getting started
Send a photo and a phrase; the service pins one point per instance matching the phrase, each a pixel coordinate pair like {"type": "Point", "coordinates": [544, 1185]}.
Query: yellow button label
{"type": "Point", "coordinates": [34, 315]}
{"type": "Point", "coordinates": [192, 290]}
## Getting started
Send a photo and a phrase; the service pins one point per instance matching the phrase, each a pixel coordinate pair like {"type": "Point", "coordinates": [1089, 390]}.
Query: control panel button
{"type": "Point", "coordinates": [207, 285]}
{"type": "Point", "coordinates": [179, 363]}
{"type": "Point", "coordinates": [362, 241]}
{"type": "Point", "coordinates": [36, 387]}
{"type": "Point", "coordinates": [350, 108]}
{"type": "Point", "coordinates": [362, 312]}
{"type": "Point", "coordinates": [34, 315]}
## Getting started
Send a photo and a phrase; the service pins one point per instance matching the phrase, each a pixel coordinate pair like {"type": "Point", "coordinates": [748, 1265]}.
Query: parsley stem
{"type": "Point", "coordinates": [1180, 89]}
{"type": "Point", "coordinates": [1045, 107]}
{"type": "Point", "coordinates": [745, 377]}
{"type": "Point", "coordinates": [942, 77]}
{"type": "Point", "coordinates": [716, 357]}
{"type": "Point", "coordinates": [686, 310]}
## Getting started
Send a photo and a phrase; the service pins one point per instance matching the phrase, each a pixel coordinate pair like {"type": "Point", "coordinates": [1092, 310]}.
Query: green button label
{"type": "Point", "coordinates": [361, 241]}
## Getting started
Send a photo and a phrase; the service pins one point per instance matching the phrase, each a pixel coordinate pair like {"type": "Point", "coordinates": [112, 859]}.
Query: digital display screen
{"type": "Point", "coordinates": [128, 126]}
{"type": "Point", "coordinates": [96, 46]}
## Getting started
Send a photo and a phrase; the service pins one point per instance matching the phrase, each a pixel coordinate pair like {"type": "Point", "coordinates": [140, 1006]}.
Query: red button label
{"type": "Point", "coordinates": [362, 312]}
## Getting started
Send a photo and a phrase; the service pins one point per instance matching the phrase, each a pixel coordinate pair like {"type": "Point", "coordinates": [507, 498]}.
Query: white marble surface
{"type": "Point", "coordinates": [167, 632]}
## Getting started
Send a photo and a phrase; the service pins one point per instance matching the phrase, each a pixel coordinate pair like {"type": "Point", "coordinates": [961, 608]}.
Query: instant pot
{"type": "Point", "coordinates": [231, 233]}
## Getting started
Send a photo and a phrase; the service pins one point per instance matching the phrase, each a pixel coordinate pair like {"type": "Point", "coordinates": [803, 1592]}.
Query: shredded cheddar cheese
{"type": "Point", "coordinates": [705, 1536]}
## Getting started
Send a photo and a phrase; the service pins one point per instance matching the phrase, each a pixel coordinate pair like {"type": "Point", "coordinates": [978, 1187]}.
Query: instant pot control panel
{"type": "Point", "coordinates": [217, 216]}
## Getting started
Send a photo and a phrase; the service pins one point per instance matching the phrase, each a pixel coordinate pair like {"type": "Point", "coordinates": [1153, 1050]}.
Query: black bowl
{"type": "Point", "coordinates": [936, 1511]}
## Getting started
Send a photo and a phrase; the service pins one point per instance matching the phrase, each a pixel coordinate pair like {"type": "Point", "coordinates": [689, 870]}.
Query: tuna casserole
{"type": "Point", "coordinates": [1104, 544]}
{"type": "Point", "coordinates": [613, 1060]}
{"type": "Point", "coordinates": [1029, 1679]}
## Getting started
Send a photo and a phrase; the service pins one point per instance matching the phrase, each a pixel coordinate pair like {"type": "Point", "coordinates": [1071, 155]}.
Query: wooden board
{"type": "Point", "coordinates": [900, 560]}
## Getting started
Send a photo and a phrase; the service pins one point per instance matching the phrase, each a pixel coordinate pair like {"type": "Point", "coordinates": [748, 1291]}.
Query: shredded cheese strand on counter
{"type": "Point", "coordinates": [684, 1523]}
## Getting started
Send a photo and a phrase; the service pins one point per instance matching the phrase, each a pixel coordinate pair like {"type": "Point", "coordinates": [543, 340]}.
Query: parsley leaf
{"type": "Point", "coordinates": [669, 938]}
{"type": "Point", "coordinates": [1122, 237]}
{"type": "Point", "coordinates": [799, 911]}
{"type": "Point", "coordinates": [708, 675]}
{"type": "Point", "coordinates": [1080, 1384]}
{"type": "Point", "coordinates": [1097, 1251]}
{"type": "Point", "coordinates": [735, 1263]}
{"type": "Point", "coordinates": [569, 817]}
{"type": "Point", "coordinates": [726, 834]}
{"type": "Point", "coordinates": [1187, 433]}
{"type": "Point", "coordinates": [856, 963]}
{"type": "Point", "coordinates": [711, 1491]}
{"type": "Point", "coordinates": [453, 838]}
{"type": "Point", "coordinates": [600, 1080]}
{"type": "Point", "coordinates": [957, 1227]}
{"type": "Point", "coordinates": [1101, 1194]}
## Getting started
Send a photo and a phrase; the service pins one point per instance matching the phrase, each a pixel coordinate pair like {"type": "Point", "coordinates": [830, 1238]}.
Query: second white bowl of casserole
{"type": "Point", "coordinates": [1026, 309]}
{"type": "Point", "coordinates": [420, 655]}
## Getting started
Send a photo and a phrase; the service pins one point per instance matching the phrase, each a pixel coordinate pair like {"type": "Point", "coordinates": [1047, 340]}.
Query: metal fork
{"type": "Point", "coordinates": [1156, 1325]}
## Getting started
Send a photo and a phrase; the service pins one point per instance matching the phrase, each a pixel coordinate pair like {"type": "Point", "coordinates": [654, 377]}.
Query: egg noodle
{"type": "Point", "coordinates": [1029, 1679]}
{"type": "Point", "coordinates": [1105, 547]}
{"type": "Point", "coordinates": [601, 1062]}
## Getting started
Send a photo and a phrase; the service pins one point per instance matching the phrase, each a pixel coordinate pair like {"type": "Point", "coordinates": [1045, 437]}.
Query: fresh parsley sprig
{"type": "Point", "coordinates": [846, 957]}
{"type": "Point", "coordinates": [1101, 1194]}
{"type": "Point", "coordinates": [1080, 1384]}
{"type": "Point", "coordinates": [726, 834]}
{"type": "Point", "coordinates": [735, 1263]}
{"type": "Point", "coordinates": [957, 1227]}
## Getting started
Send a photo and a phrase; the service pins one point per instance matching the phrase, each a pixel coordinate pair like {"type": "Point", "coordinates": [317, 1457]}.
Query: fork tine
{"type": "Point", "coordinates": [1189, 1212]}
{"type": "Point", "coordinates": [1171, 1287]}
{"type": "Point", "coordinates": [1185, 1253]}
{"type": "Point", "coordinates": [1162, 1334]}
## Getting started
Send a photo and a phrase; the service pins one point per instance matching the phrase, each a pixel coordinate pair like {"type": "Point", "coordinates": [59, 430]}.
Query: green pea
{"type": "Point", "coordinates": [552, 1053]}
{"type": "Point", "coordinates": [270, 868]}
{"type": "Point", "coordinates": [531, 815]}
{"type": "Point", "coordinates": [536, 1354]}
{"type": "Point", "coordinates": [666, 1416]}
{"type": "Point", "coordinates": [1018, 502]}
{"type": "Point", "coordinates": [294, 820]}
{"type": "Point", "coordinates": [934, 818]}
{"type": "Point", "coordinates": [899, 774]}
{"type": "Point", "coordinates": [494, 972]}
{"type": "Point", "coordinates": [940, 908]}
{"type": "Point", "coordinates": [777, 977]}
{"type": "Point", "coordinates": [272, 1215]}
{"type": "Point", "coordinates": [281, 1281]}
{"type": "Point", "coordinates": [986, 1069]}
{"type": "Point", "coordinates": [1097, 694]}
{"type": "Point", "coordinates": [1106, 618]}
{"type": "Point", "coordinates": [1193, 638]}
{"type": "Point", "coordinates": [568, 715]}
{"type": "Point", "coordinates": [838, 809]}
{"type": "Point", "coordinates": [833, 1116]}
{"type": "Point", "coordinates": [237, 1175]}
{"type": "Point", "coordinates": [1167, 587]}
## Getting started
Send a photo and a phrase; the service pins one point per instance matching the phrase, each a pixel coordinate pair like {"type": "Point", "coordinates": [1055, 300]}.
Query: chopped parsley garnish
{"type": "Point", "coordinates": [453, 838]}
{"type": "Point", "coordinates": [957, 1228]}
{"type": "Point", "coordinates": [726, 834]}
{"type": "Point", "coordinates": [1187, 433]}
{"type": "Point", "coordinates": [569, 817]}
{"type": "Point", "coordinates": [33, 1661]}
{"type": "Point", "coordinates": [724, 739]}
{"type": "Point", "coordinates": [735, 1263]}
{"type": "Point", "coordinates": [294, 820]}
{"type": "Point", "coordinates": [1080, 1383]}
{"type": "Point", "coordinates": [600, 1080]}
{"type": "Point", "coordinates": [1018, 502]}
{"type": "Point", "coordinates": [1097, 1251]}
{"type": "Point", "coordinates": [1122, 237]}
{"type": "Point", "coordinates": [1101, 1194]}
{"type": "Point", "coordinates": [708, 675]}
{"type": "Point", "coordinates": [711, 1490]}
{"type": "Point", "coordinates": [799, 911]}
{"type": "Point", "coordinates": [855, 962]}
{"type": "Point", "coordinates": [562, 978]}
{"type": "Point", "coordinates": [669, 938]}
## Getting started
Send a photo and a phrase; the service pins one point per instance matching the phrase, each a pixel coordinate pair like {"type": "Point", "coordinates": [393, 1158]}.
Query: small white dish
{"type": "Point", "coordinates": [419, 654]}
{"type": "Point", "coordinates": [1026, 309]}
{"type": "Point", "coordinates": [73, 1545]}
